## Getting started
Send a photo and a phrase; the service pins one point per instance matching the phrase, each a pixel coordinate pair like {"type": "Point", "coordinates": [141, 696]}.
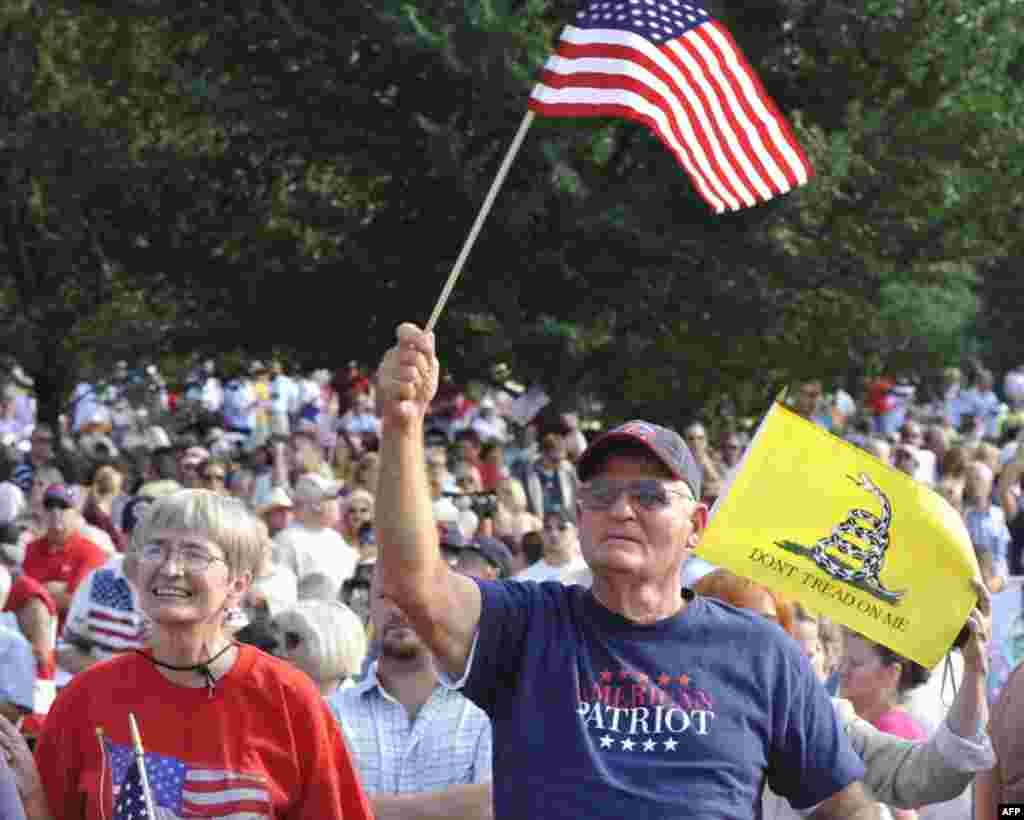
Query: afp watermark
{"type": "Point", "coordinates": [1011, 810]}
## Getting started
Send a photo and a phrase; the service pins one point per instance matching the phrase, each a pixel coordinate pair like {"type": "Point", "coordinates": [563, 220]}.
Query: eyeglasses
{"type": "Point", "coordinates": [216, 477]}
{"type": "Point", "coordinates": [647, 493]}
{"type": "Point", "coordinates": [193, 559]}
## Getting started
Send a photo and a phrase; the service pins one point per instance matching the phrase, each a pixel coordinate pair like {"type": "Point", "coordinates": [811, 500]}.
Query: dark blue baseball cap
{"type": "Point", "coordinates": [664, 444]}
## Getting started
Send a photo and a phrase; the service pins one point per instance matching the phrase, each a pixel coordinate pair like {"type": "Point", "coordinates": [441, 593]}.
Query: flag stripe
{"type": "Point", "coordinates": [723, 118]}
{"type": "Point", "coordinates": [117, 638]}
{"type": "Point", "coordinates": [594, 73]}
{"type": "Point", "coordinates": [583, 102]}
{"type": "Point", "coordinates": [740, 102]}
{"type": "Point", "coordinates": [112, 616]}
{"type": "Point", "coordinates": [750, 149]}
{"type": "Point", "coordinates": [771, 121]}
{"type": "Point", "coordinates": [221, 805]}
{"type": "Point", "coordinates": [686, 86]}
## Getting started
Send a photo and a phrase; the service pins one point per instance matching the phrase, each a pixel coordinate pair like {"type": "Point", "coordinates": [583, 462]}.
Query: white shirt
{"type": "Point", "coordinates": [12, 502]}
{"type": "Point", "coordinates": [306, 551]}
{"type": "Point", "coordinates": [284, 395]}
{"type": "Point", "coordinates": [98, 537]}
{"type": "Point", "coordinates": [543, 571]}
{"type": "Point", "coordinates": [87, 407]}
{"type": "Point", "coordinates": [353, 422]}
{"type": "Point", "coordinates": [490, 428]}
{"type": "Point", "coordinates": [17, 669]}
{"type": "Point", "coordinates": [239, 404]}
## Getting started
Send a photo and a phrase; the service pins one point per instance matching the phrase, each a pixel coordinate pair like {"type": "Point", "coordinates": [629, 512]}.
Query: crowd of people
{"type": "Point", "coordinates": [380, 594]}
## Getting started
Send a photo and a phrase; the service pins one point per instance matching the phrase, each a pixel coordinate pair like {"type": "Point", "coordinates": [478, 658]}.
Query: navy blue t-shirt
{"type": "Point", "coordinates": [598, 717]}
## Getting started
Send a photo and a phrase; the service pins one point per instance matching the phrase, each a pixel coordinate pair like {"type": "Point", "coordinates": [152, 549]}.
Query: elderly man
{"type": "Point", "coordinates": [630, 699]}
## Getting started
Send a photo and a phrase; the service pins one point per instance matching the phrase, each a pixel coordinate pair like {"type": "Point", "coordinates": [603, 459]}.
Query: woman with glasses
{"type": "Point", "coordinates": [227, 730]}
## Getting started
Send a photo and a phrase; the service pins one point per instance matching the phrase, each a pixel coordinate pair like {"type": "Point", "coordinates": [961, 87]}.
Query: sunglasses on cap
{"type": "Point", "coordinates": [647, 493]}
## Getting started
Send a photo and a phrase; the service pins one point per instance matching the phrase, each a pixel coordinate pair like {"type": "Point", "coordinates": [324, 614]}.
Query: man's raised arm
{"type": "Point", "coordinates": [443, 606]}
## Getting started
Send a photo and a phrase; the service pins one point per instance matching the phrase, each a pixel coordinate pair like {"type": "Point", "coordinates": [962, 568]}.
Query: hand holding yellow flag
{"type": "Point", "coordinates": [827, 524]}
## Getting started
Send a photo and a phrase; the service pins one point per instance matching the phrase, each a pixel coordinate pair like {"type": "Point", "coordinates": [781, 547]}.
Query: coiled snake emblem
{"type": "Point", "coordinates": [870, 529]}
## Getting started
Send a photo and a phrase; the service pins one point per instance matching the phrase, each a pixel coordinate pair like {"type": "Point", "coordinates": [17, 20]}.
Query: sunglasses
{"type": "Point", "coordinates": [647, 493]}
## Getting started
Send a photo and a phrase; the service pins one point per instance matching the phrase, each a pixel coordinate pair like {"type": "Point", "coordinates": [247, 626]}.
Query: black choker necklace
{"type": "Point", "coordinates": [203, 668]}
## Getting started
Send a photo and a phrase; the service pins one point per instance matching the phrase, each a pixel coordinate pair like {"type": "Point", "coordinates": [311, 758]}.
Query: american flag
{"type": "Point", "coordinates": [670, 66]}
{"type": "Point", "coordinates": [180, 790]}
{"type": "Point", "coordinates": [112, 621]}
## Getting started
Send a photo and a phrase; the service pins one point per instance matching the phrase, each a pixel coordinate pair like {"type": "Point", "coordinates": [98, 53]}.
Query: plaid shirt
{"type": "Point", "coordinates": [448, 743]}
{"type": "Point", "coordinates": [989, 533]}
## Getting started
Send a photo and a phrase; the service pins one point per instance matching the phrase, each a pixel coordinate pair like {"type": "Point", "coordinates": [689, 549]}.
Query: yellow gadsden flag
{"type": "Point", "coordinates": [822, 522]}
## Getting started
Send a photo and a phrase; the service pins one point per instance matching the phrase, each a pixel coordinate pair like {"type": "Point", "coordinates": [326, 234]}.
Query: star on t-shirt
{"type": "Point", "coordinates": [670, 744]}
{"type": "Point", "coordinates": [649, 745]}
{"type": "Point", "coordinates": [664, 679]}
{"type": "Point", "coordinates": [684, 680]}
{"type": "Point", "coordinates": [606, 676]}
{"type": "Point", "coordinates": [628, 744]}
{"type": "Point", "coordinates": [607, 741]}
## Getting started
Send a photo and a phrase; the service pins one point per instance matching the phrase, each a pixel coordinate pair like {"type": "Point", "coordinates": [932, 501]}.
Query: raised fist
{"type": "Point", "coordinates": [407, 379]}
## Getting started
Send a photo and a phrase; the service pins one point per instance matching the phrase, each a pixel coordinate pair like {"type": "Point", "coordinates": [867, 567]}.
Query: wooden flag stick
{"type": "Point", "coordinates": [485, 209]}
{"type": "Point", "coordinates": [140, 760]}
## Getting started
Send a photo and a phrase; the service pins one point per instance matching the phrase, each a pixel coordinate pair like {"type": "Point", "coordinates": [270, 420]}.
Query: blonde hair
{"type": "Point", "coordinates": [224, 520]}
{"type": "Point", "coordinates": [107, 481]}
{"type": "Point", "coordinates": [360, 495]}
{"type": "Point", "coordinates": [335, 635]}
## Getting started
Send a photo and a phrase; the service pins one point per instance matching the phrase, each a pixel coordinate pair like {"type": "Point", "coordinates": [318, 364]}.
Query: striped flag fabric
{"type": "Point", "coordinates": [112, 621]}
{"type": "Point", "coordinates": [182, 790]}
{"type": "Point", "coordinates": [672, 67]}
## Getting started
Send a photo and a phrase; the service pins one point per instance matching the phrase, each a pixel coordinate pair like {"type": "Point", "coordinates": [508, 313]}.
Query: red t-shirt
{"type": "Point", "coordinates": [70, 564]}
{"type": "Point", "coordinates": [23, 589]}
{"type": "Point", "coordinates": [265, 743]}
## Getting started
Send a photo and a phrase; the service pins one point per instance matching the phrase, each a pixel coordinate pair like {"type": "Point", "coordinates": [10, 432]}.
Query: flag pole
{"type": "Point", "coordinates": [485, 209]}
{"type": "Point", "coordinates": [140, 760]}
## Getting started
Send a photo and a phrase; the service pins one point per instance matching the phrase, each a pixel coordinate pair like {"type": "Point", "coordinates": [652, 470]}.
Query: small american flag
{"type": "Point", "coordinates": [180, 790]}
{"type": "Point", "coordinates": [670, 66]}
{"type": "Point", "coordinates": [113, 622]}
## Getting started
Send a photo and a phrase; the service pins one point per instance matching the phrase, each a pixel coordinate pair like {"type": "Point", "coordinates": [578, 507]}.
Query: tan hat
{"type": "Point", "coordinates": [313, 487]}
{"type": "Point", "coordinates": [277, 497]}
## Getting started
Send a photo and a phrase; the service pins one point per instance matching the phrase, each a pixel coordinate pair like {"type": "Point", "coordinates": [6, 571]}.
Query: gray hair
{"type": "Point", "coordinates": [224, 520]}
{"type": "Point", "coordinates": [335, 636]}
